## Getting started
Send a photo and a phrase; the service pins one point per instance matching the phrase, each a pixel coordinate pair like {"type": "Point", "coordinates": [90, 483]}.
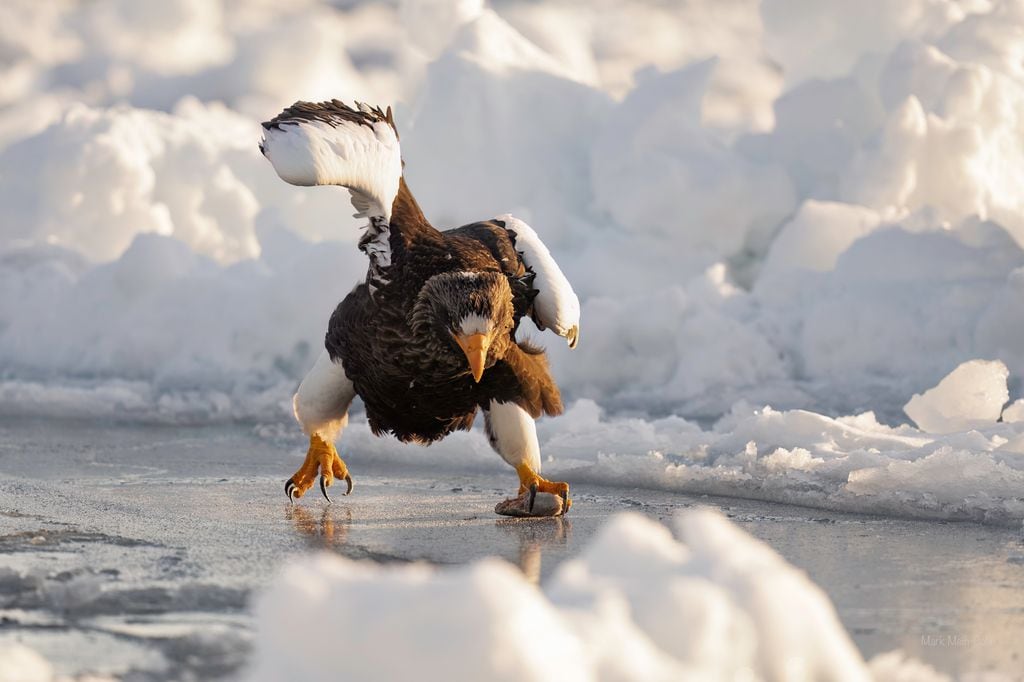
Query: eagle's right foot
{"type": "Point", "coordinates": [530, 483]}
{"type": "Point", "coordinates": [322, 457]}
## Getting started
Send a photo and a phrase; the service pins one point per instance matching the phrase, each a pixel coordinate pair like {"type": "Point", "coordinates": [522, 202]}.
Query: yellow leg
{"type": "Point", "coordinates": [529, 480]}
{"type": "Point", "coordinates": [321, 457]}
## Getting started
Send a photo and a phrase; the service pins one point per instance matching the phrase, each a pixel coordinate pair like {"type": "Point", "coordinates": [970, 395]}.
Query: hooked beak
{"type": "Point", "coordinates": [475, 347]}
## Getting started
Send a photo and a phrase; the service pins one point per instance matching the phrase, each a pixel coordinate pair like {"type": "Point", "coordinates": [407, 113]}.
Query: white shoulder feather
{"type": "Point", "coordinates": [556, 306]}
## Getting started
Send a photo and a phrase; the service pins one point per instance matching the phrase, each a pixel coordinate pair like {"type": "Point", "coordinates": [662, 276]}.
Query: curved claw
{"type": "Point", "coordinates": [289, 490]}
{"type": "Point", "coordinates": [348, 480]}
{"type": "Point", "coordinates": [533, 497]}
{"type": "Point", "coordinates": [565, 502]}
{"type": "Point", "coordinates": [323, 489]}
{"type": "Point", "coordinates": [573, 335]}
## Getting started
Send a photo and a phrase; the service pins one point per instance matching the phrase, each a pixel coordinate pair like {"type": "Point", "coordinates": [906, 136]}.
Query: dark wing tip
{"type": "Point", "coordinates": [332, 112]}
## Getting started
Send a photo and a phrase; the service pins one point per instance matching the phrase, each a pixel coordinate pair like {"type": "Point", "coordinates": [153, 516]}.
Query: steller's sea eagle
{"type": "Point", "coordinates": [430, 336]}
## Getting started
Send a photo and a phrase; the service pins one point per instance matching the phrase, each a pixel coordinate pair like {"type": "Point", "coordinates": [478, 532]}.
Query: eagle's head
{"type": "Point", "coordinates": [468, 312]}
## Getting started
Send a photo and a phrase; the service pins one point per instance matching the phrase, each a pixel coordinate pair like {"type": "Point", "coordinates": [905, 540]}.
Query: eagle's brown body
{"type": "Point", "coordinates": [413, 384]}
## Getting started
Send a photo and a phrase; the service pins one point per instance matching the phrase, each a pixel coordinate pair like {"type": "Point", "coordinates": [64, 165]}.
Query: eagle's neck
{"type": "Point", "coordinates": [383, 237]}
{"type": "Point", "coordinates": [406, 215]}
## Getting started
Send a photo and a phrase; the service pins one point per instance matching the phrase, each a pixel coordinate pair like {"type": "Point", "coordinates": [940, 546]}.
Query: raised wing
{"type": "Point", "coordinates": [330, 143]}
{"type": "Point", "coordinates": [556, 306]}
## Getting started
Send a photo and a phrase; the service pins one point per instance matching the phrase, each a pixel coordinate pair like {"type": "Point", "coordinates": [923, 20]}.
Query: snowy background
{"type": "Point", "coordinates": [803, 205]}
{"type": "Point", "coordinates": [796, 228]}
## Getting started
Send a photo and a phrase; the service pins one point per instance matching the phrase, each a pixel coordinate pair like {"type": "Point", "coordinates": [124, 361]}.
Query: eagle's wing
{"type": "Point", "coordinates": [556, 306]}
{"type": "Point", "coordinates": [330, 143]}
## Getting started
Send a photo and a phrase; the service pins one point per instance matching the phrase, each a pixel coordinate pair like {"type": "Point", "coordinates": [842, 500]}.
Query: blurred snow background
{"type": "Point", "coordinates": [810, 205]}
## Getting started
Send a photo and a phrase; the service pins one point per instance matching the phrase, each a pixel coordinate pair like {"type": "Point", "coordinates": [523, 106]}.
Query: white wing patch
{"type": "Point", "coordinates": [556, 305]}
{"type": "Point", "coordinates": [365, 158]}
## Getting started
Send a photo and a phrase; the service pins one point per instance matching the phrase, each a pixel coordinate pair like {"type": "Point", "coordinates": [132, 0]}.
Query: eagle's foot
{"type": "Point", "coordinates": [531, 483]}
{"type": "Point", "coordinates": [322, 457]}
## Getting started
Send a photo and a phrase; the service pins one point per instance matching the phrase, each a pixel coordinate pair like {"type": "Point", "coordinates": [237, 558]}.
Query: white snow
{"type": "Point", "coordinates": [811, 206]}
{"type": "Point", "coordinates": [19, 663]}
{"type": "Point", "coordinates": [636, 605]}
{"type": "Point", "coordinates": [1014, 412]}
{"type": "Point", "coordinates": [971, 396]}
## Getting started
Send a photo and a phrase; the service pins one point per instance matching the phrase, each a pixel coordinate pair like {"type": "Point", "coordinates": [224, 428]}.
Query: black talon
{"type": "Point", "coordinates": [565, 502]}
{"type": "Point", "coordinates": [289, 488]}
{"type": "Point", "coordinates": [323, 489]}
{"type": "Point", "coordinates": [533, 497]}
{"type": "Point", "coordinates": [348, 479]}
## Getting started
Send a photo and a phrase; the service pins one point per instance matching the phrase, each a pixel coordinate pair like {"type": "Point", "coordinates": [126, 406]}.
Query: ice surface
{"type": "Point", "coordinates": [636, 605]}
{"type": "Point", "coordinates": [133, 551]}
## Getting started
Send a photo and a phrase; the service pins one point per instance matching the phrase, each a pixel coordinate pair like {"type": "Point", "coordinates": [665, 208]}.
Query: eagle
{"type": "Point", "coordinates": [428, 339]}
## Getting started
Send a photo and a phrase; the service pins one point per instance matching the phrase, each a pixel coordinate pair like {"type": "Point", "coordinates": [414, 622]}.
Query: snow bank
{"type": "Point", "coordinates": [798, 457]}
{"type": "Point", "coordinates": [831, 229]}
{"type": "Point", "coordinates": [166, 328]}
{"type": "Point", "coordinates": [96, 178]}
{"type": "Point", "coordinates": [18, 663]}
{"type": "Point", "coordinates": [636, 605]}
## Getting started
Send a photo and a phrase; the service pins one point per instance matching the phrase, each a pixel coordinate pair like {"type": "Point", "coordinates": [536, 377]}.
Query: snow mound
{"type": "Point", "coordinates": [1014, 412]}
{"type": "Point", "coordinates": [816, 236]}
{"type": "Point", "coordinates": [18, 663]}
{"type": "Point", "coordinates": [636, 605]}
{"type": "Point", "coordinates": [476, 100]}
{"type": "Point", "coordinates": [969, 397]}
{"type": "Point", "coordinates": [654, 140]}
{"type": "Point", "coordinates": [851, 463]}
{"type": "Point", "coordinates": [96, 178]}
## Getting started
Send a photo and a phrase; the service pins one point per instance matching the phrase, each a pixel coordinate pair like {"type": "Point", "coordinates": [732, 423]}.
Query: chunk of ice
{"type": "Point", "coordinates": [971, 396]}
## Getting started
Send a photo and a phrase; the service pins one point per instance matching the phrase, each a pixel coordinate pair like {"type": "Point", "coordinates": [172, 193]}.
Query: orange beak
{"type": "Point", "coordinates": [475, 347]}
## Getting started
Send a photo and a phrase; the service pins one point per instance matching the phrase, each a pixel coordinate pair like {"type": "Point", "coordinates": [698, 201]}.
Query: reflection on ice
{"type": "Point", "coordinates": [325, 530]}
{"type": "Point", "coordinates": [533, 536]}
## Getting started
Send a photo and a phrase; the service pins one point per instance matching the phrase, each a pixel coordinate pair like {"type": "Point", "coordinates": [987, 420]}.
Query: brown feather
{"type": "Point", "coordinates": [414, 384]}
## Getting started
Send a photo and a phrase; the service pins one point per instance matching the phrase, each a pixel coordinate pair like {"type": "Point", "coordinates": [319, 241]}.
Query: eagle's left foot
{"type": "Point", "coordinates": [531, 483]}
{"type": "Point", "coordinates": [322, 457]}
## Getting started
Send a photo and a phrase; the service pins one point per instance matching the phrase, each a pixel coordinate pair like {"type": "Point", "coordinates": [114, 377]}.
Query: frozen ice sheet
{"type": "Point", "coordinates": [138, 548]}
